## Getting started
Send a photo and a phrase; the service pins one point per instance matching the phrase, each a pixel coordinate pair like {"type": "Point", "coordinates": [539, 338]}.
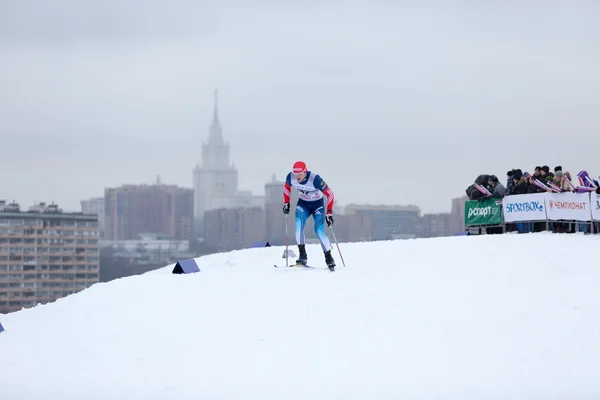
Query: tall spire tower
{"type": "Point", "coordinates": [216, 114]}
{"type": "Point", "coordinates": [216, 178]}
{"type": "Point", "coordinates": [216, 131]}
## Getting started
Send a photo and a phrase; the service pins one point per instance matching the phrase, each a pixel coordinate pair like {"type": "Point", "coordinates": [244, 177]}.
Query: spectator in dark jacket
{"type": "Point", "coordinates": [499, 191]}
{"type": "Point", "coordinates": [521, 184]}
{"type": "Point", "coordinates": [510, 183]}
{"type": "Point", "coordinates": [473, 192]}
{"type": "Point", "coordinates": [546, 175]}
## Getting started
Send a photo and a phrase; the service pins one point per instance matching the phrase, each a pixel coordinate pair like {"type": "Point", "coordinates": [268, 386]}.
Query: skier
{"type": "Point", "coordinates": [311, 188]}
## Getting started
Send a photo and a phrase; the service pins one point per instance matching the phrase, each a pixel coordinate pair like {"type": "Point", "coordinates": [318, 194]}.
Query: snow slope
{"type": "Point", "coordinates": [489, 317]}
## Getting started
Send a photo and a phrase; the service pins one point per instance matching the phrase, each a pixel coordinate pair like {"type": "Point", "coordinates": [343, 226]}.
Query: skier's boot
{"type": "Point", "coordinates": [329, 260]}
{"type": "Point", "coordinates": [303, 258]}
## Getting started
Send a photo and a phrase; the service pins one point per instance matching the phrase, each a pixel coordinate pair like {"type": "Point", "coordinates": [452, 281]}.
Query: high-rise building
{"type": "Point", "coordinates": [233, 228]}
{"type": "Point", "coordinates": [353, 228]}
{"type": "Point", "coordinates": [165, 210]}
{"type": "Point", "coordinates": [435, 225]}
{"type": "Point", "coordinates": [389, 221]}
{"type": "Point", "coordinates": [274, 191]}
{"type": "Point", "coordinates": [457, 214]}
{"type": "Point", "coordinates": [45, 254]}
{"type": "Point", "coordinates": [216, 179]}
{"type": "Point", "coordinates": [95, 205]}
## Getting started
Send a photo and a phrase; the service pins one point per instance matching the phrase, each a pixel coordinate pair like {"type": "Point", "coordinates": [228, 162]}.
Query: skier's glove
{"type": "Point", "coordinates": [329, 219]}
{"type": "Point", "coordinates": [286, 208]}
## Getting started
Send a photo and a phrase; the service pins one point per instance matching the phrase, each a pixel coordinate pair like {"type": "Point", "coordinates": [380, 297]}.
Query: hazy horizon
{"type": "Point", "coordinates": [370, 94]}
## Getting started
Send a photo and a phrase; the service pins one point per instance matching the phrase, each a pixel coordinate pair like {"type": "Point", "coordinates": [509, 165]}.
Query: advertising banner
{"type": "Point", "coordinates": [595, 205]}
{"type": "Point", "coordinates": [487, 212]}
{"type": "Point", "coordinates": [568, 206]}
{"type": "Point", "coordinates": [524, 207]}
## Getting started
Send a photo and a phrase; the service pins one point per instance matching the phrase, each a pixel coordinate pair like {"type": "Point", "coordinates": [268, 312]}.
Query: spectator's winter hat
{"type": "Point", "coordinates": [299, 167]}
{"type": "Point", "coordinates": [493, 178]}
{"type": "Point", "coordinates": [518, 174]}
{"type": "Point", "coordinates": [546, 168]}
{"type": "Point", "coordinates": [557, 168]}
{"type": "Point", "coordinates": [558, 173]}
{"type": "Point", "coordinates": [510, 173]}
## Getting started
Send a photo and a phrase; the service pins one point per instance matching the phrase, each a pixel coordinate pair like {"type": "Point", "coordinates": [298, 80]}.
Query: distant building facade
{"type": "Point", "coordinates": [435, 225]}
{"type": "Point", "coordinates": [134, 210]}
{"type": "Point", "coordinates": [457, 214]}
{"type": "Point", "coordinates": [353, 228]}
{"type": "Point", "coordinates": [45, 254]}
{"type": "Point", "coordinates": [389, 221]}
{"type": "Point", "coordinates": [215, 180]}
{"type": "Point", "coordinates": [96, 206]}
{"type": "Point", "coordinates": [148, 249]}
{"type": "Point", "coordinates": [234, 228]}
{"type": "Point", "coordinates": [147, 242]}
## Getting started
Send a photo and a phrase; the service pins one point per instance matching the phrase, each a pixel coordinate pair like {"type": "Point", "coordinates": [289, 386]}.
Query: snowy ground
{"type": "Point", "coordinates": [491, 317]}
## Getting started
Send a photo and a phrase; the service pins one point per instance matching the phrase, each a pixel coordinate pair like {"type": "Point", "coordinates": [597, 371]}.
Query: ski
{"type": "Point", "coordinates": [302, 266]}
{"type": "Point", "coordinates": [293, 265]}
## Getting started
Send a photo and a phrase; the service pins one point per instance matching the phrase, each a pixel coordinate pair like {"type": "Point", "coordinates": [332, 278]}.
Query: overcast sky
{"type": "Point", "coordinates": [371, 94]}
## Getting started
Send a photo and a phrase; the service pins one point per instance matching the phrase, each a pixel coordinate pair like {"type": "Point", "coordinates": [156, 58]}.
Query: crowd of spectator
{"type": "Point", "coordinates": [542, 180]}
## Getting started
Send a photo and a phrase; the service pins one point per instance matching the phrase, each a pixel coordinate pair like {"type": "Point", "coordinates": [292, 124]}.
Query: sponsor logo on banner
{"type": "Point", "coordinates": [480, 212]}
{"type": "Point", "coordinates": [487, 212]}
{"type": "Point", "coordinates": [525, 207]}
{"type": "Point", "coordinates": [595, 198]}
{"type": "Point", "coordinates": [568, 206]}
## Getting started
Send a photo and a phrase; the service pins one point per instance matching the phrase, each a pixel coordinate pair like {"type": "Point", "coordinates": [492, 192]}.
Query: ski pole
{"type": "Point", "coordinates": [338, 246]}
{"type": "Point", "coordinates": [286, 240]}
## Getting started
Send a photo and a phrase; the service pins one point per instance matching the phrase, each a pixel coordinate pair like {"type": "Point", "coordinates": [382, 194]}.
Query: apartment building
{"type": "Point", "coordinates": [228, 229]}
{"type": "Point", "coordinates": [134, 210]}
{"type": "Point", "coordinates": [389, 221]}
{"type": "Point", "coordinates": [45, 254]}
{"type": "Point", "coordinates": [435, 225]}
{"type": "Point", "coordinates": [457, 214]}
{"type": "Point", "coordinates": [95, 205]}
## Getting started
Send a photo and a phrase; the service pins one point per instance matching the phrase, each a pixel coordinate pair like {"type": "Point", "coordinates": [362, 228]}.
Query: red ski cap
{"type": "Point", "coordinates": [299, 167]}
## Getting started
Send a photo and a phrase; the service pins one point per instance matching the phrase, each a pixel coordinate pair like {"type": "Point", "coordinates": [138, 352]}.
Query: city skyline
{"type": "Point", "coordinates": [391, 104]}
{"type": "Point", "coordinates": [207, 158]}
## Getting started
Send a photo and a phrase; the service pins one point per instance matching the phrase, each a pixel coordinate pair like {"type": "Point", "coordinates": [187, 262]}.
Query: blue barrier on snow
{"type": "Point", "coordinates": [261, 244]}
